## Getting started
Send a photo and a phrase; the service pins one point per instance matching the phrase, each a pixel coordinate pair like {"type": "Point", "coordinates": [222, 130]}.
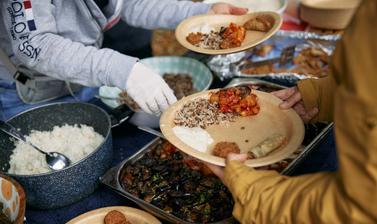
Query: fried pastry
{"type": "Point", "coordinates": [194, 38]}
{"type": "Point", "coordinates": [115, 217]}
{"type": "Point", "coordinates": [259, 23]}
{"type": "Point", "coordinates": [267, 146]}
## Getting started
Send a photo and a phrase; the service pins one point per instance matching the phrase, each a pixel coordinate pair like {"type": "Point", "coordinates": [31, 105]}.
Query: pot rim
{"type": "Point", "coordinates": [81, 160]}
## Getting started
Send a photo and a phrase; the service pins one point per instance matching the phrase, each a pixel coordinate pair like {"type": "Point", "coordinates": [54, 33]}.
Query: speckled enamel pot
{"type": "Point", "coordinates": [61, 188]}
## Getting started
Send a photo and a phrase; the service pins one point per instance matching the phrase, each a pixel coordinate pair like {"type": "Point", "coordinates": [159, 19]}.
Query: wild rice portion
{"type": "Point", "coordinates": [200, 113]}
{"type": "Point", "coordinates": [211, 40]}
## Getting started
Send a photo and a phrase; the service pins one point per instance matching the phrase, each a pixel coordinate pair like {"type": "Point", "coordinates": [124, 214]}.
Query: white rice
{"type": "Point", "coordinates": [196, 138]}
{"type": "Point", "coordinates": [75, 142]}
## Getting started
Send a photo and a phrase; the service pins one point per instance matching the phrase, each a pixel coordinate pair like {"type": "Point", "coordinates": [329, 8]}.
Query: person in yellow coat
{"type": "Point", "coordinates": [349, 97]}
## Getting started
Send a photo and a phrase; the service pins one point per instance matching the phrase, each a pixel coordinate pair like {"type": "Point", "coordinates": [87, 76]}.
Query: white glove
{"type": "Point", "coordinates": [149, 90]}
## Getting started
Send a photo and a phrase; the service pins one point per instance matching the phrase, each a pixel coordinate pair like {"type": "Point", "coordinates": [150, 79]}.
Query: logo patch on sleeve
{"type": "Point", "coordinates": [29, 15]}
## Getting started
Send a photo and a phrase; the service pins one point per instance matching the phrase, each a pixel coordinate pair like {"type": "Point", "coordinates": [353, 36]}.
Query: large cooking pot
{"type": "Point", "coordinates": [60, 188]}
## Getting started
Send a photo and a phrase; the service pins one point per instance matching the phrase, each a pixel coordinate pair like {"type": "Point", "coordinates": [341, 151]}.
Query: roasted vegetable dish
{"type": "Point", "coordinates": [177, 184]}
{"type": "Point", "coordinates": [233, 36]}
{"type": "Point", "coordinates": [227, 37]}
{"type": "Point", "coordinates": [235, 100]}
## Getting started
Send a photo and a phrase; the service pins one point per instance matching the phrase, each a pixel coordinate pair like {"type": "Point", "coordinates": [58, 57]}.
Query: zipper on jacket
{"type": "Point", "coordinates": [90, 16]}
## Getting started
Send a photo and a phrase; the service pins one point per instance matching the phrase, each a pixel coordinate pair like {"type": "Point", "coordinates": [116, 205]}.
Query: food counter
{"type": "Point", "coordinates": [127, 140]}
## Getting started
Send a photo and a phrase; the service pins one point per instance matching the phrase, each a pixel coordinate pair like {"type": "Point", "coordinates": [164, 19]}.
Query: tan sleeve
{"type": "Point", "coordinates": [350, 194]}
{"type": "Point", "coordinates": [267, 197]}
{"type": "Point", "coordinates": [342, 197]}
{"type": "Point", "coordinates": [319, 93]}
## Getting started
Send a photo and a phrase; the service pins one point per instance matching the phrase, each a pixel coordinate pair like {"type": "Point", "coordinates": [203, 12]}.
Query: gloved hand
{"type": "Point", "coordinates": [149, 90]}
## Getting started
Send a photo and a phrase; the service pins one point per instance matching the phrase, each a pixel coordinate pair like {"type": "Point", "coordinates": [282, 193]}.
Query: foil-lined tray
{"type": "Point", "coordinates": [284, 39]}
{"type": "Point", "coordinates": [226, 68]}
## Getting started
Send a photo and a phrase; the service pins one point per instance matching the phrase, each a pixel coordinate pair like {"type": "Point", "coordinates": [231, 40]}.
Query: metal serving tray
{"type": "Point", "coordinates": [111, 179]}
{"type": "Point", "coordinates": [314, 133]}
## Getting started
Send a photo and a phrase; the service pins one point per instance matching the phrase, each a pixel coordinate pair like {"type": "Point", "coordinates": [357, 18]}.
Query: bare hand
{"type": "Point", "coordinates": [219, 171]}
{"type": "Point", "coordinates": [224, 8]}
{"type": "Point", "coordinates": [292, 99]}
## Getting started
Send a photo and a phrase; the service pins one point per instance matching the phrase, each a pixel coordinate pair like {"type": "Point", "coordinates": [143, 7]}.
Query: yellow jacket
{"type": "Point", "coordinates": [350, 194]}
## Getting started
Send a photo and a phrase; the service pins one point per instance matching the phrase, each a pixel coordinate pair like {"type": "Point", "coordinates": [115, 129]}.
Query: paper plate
{"type": "Point", "coordinates": [132, 214]}
{"type": "Point", "coordinates": [245, 131]}
{"type": "Point", "coordinates": [252, 38]}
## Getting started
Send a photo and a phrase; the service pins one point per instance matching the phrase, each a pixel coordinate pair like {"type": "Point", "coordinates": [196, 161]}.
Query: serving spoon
{"type": "Point", "coordinates": [55, 160]}
{"type": "Point", "coordinates": [244, 89]}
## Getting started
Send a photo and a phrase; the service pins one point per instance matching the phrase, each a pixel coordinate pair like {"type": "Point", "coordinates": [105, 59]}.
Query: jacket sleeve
{"type": "Point", "coordinates": [345, 196]}
{"type": "Point", "coordinates": [37, 45]}
{"type": "Point", "coordinates": [152, 14]}
{"type": "Point", "coordinates": [319, 93]}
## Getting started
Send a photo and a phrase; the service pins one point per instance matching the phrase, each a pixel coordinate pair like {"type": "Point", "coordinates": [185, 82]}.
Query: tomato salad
{"type": "Point", "coordinates": [233, 100]}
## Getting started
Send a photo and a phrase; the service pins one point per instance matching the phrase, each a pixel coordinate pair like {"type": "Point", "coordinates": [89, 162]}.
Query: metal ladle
{"type": "Point", "coordinates": [55, 160]}
{"type": "Point", "coordinates": [245, 89]}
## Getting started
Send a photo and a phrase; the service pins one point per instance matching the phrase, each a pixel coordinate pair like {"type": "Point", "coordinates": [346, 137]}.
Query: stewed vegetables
{"type": "Point", "coordinates": [178, 184]}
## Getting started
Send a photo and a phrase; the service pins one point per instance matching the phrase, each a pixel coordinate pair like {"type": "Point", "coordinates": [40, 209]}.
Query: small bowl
{"type": "Point", "coordinates": [201, 78]}
{"type": "Point", "coordinates": [328, 14]}
{"type": "Point", "coordinates": [12, 196]}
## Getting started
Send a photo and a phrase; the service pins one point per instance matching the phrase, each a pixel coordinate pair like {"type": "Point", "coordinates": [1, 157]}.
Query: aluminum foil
{"type": "Point", "coordinates": [281, 40]}
{"type": "Point", "coordinates": [307, 35]}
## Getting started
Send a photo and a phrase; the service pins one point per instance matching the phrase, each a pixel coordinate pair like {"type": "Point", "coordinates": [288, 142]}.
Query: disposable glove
{"type": "Point", "coordinates": [149, 90]}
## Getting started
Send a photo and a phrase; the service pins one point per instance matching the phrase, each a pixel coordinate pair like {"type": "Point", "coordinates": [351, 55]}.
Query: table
{"type": "Point", "coordinates": [127, 139]}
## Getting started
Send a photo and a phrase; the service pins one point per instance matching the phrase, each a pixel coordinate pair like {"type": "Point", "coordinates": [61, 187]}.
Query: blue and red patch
{"type": "Point", "coordinates": [29, 15]}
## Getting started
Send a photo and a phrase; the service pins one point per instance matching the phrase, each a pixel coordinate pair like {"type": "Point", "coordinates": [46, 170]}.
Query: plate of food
{"type": "Point", "coordinates": [115, 215]}
{"type": "Point", "coordinates": [211, 124]}
{"type": "Point", "coordinates": [226, 34]}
